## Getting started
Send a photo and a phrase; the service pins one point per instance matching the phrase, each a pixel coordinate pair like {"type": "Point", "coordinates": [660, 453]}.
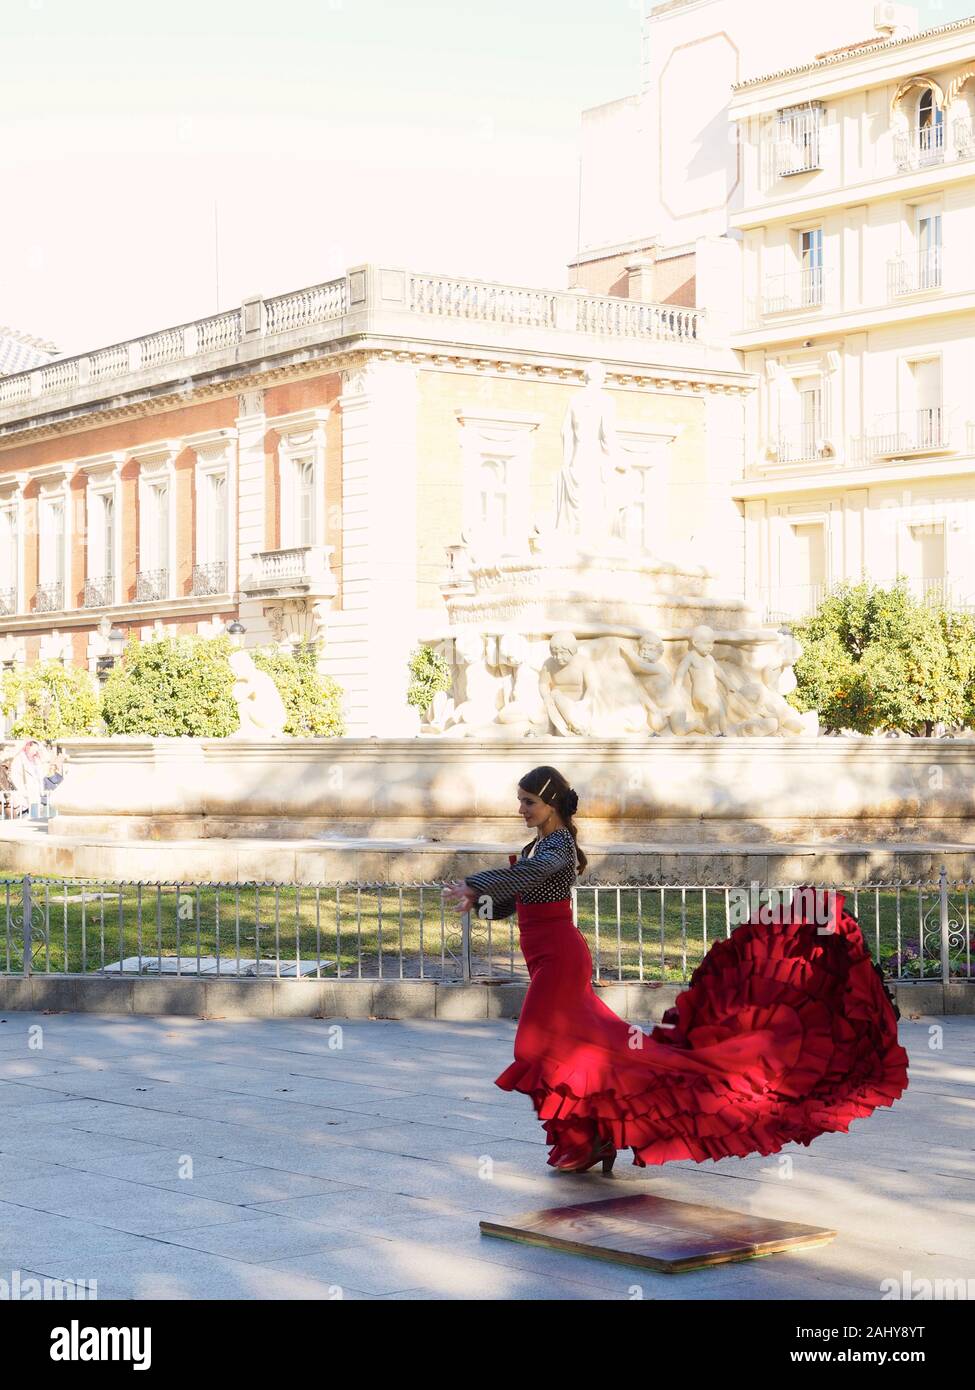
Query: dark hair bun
{"type": "Point", "coordinates": [570, 802]}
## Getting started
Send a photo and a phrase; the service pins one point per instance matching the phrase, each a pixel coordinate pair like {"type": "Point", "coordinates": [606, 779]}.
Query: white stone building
{"type": "Point", "coordinates": [817, 194]}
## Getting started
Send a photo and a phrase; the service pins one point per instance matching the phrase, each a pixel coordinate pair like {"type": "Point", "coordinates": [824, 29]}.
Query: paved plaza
{"type": "Point", "coordinates": [260, 1159]}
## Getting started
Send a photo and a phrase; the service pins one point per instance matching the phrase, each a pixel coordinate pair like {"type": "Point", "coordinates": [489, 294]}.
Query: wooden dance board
{"type": "Point", "coordinates": [657, 1233]}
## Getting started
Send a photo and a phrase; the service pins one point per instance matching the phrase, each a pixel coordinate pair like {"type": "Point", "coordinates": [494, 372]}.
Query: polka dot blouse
{"type": "Point", "coordinates": [544, 873]}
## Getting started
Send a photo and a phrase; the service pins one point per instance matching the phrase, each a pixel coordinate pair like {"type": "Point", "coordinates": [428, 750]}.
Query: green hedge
{"type": "Point", "coordinates": [313, 701]}
{"type": "Point", "coordinates": [183, 687]}
{"type": "Point", "coordinates": [173, 686]}
{"type": "Point", "coordinates": [50, 701]}
{"type": "Point", "coordinates": [429, 674]}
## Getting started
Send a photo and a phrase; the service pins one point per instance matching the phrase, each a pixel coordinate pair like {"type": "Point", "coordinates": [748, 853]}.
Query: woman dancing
{"type": "Point", "coordinates": [786, 1030]}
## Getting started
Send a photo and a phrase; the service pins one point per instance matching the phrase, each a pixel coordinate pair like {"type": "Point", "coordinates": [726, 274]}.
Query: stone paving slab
{"type": "Point", "coordinates": [360, 1172]}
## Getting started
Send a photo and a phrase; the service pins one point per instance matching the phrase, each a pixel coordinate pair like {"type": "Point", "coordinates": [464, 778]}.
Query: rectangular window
{"type": "Point", "coordinates": [158, 530]}
{"type": "Point", "coordinates": [52, 541]}
{"type": "Point", "coordinates": [8, 549]}
{"type": "Point", "coordinates": [925, 414]}
{"type": "Point", "coordinates": [928, 567]}
{"type": "Point", "coordinates": [928, 242]}
{"type": "Point", "coordinates": [216, 530]}
{"type": "Point", "coordinates": [811, 263]}
{"type": "Point", "coordinates": [796, 135]}
{"type": "Point", "coordinates": [304, 502]}
{"type": "Point", "coordinates": [108, 536]}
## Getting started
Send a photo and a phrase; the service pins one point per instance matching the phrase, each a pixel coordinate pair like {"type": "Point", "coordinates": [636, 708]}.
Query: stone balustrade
{"type": "Point", "coordinates": [357, 301]}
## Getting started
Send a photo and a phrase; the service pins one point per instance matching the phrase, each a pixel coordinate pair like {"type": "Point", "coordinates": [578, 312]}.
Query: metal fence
{"type": "Point", "coordinates": [350, 931]}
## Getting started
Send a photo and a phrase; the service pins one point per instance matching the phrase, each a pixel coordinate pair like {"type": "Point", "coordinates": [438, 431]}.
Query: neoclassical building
{"type": "Point", "coordinates": [308, 464]}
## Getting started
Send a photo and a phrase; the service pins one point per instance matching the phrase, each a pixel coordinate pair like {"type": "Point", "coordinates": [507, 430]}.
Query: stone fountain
{"type": "Point", "coordinates": [584, 633]}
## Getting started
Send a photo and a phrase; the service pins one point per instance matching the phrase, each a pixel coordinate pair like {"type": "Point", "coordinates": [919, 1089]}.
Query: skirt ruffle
{"type": "Point", "coordinates": [785, 1032]}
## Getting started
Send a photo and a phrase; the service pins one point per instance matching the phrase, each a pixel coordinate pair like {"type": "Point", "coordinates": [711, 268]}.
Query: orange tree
{"type": "Point", "coordinates": [876, 660]}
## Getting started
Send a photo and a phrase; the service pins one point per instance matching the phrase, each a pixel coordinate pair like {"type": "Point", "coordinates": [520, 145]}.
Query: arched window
{"type": "Point", "coordinates": [930, 125]}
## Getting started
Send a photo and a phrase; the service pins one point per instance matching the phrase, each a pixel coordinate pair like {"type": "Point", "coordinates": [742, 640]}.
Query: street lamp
{"type": "Point", "coordinates": [116, 646]}
{"type": "Point", "coordinates": [236, 632]}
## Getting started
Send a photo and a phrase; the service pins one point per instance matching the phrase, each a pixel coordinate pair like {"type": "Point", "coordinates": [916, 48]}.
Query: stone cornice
{"type": "Point", "coordinates": [129, 614]}
{"type": "Point", "coordinates": [228, 383]}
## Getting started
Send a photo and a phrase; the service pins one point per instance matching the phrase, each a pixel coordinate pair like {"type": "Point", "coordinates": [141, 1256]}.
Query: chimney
{"type": "Point", "coordinates": [641, 277]}
{"type": "Point", "coordinates": [893, 20]}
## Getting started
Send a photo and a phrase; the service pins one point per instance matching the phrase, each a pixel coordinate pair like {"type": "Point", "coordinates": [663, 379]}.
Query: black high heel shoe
{"type": "Point", "coordinates": [602, 1151]}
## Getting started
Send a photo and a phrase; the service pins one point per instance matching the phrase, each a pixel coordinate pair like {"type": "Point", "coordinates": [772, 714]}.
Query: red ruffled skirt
{"type": "Point", "coordinates": [785, 1032]}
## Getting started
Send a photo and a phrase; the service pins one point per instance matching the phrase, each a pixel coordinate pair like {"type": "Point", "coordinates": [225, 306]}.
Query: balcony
{"type": "Point", "coordinates": [151, 586]}
{"type": "Point", "coordinates": [921, 431]}
{"type": "Point", "coordinates": [915, 274]}
{"type": "Point", "coordinates": [300, 570]}
{"type": "Point", "coordinates": [795, 291]}
{"type": "Point", "coordinates": [8, 603]}
{"type": "Point", "coordinates": [806, 444]}
{"type": "Point", "coordinates": [796, 142]}
{"type": "Point", "coordinates": [920, 148]}
{"type": "Point", "coordinates": [50, 597]}
{"type": "Point", "coordinates": [210, 578]}
{"type": "Point", "coordinates": [100, 593]}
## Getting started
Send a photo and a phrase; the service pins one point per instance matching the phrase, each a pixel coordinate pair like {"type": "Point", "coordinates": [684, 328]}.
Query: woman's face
{"type": "Point", "coordinates": [532, 808]}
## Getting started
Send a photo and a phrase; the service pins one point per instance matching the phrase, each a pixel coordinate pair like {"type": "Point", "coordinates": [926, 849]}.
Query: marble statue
{"type": "Point", "coordinates": [595, 486]}
{"type": "Point", "coordinates": [645, 660]}
{"type": "Point", "coordinates": [478, 699]}
{"type": "Point", "coordinates": [619, 701]}
{"type": "Point", "coordinates": [706, 683]}
{"type": "Point", "coordinates": [524, 708]}
{"type": "Point", "coordinates": [259, 703]}
{"type": "Point", "coordinates": [567, 686]}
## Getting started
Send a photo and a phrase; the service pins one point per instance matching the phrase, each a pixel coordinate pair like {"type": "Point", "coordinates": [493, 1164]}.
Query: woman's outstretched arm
{"type": "Point", "coordinates": [497, 888]}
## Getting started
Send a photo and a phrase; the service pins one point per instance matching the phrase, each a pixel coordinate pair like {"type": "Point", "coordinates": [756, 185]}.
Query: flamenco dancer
{"type": "Point", "coordinates": [785, 1032]}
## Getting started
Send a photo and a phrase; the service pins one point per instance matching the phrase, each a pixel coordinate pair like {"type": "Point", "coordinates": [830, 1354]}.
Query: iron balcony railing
{"type": "Point", "coordinates": [210, 578]}
{"type": "Point", "coordinates": [794, 291]}
{"type": "Point", "coordinates": [353, 931]}
{"type": "Point", "coordinates": [8, 602]}
{"type": "Point", "coordinates": [100, 593]}
{"type": "Point", "coordinates": [916, 273]}
{"type": "Point", "coordinates": [50, 597]}
{"type": "Point", "coordinates": [805, 443]}
{"type": "Point", "coordinates": [921, 147]}
{"type": "Point", "coordinates": [797, 140]}
{"type": "Point", "coordinates": [151, 586]}
{"type": "Point", "coordinates": [911, 432]}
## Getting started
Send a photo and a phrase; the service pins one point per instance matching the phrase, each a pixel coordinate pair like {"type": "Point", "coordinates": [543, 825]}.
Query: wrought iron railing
{"type": "Point", "coordinates": [794, 291]}
{"type": "Point", "coordinates": [906, 432]}
{"type": "Point", "coordinates": [210, 578]}
{"type": "Point", "coordinates": [797, 141]}
{"type": "Point", "coordinates": [50, 597]}
{"type": "Point", "coordinates": [916, 931]}
{"type": "Point", "coordinates": [915, 273]}
{"type": "Point", "coordinates": [921, 147]}
{"type": "Point", "coordinates": [100, 593]}
{"type": "Point", "coordinates": [151, 586]}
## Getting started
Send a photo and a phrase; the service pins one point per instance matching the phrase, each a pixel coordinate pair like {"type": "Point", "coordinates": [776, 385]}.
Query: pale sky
{"type": "Point", "coordinates": [441, 135]}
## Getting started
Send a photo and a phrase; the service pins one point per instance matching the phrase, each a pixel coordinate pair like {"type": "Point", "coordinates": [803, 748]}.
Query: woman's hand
{"type": "Point", "coordinates": [461, 895]}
